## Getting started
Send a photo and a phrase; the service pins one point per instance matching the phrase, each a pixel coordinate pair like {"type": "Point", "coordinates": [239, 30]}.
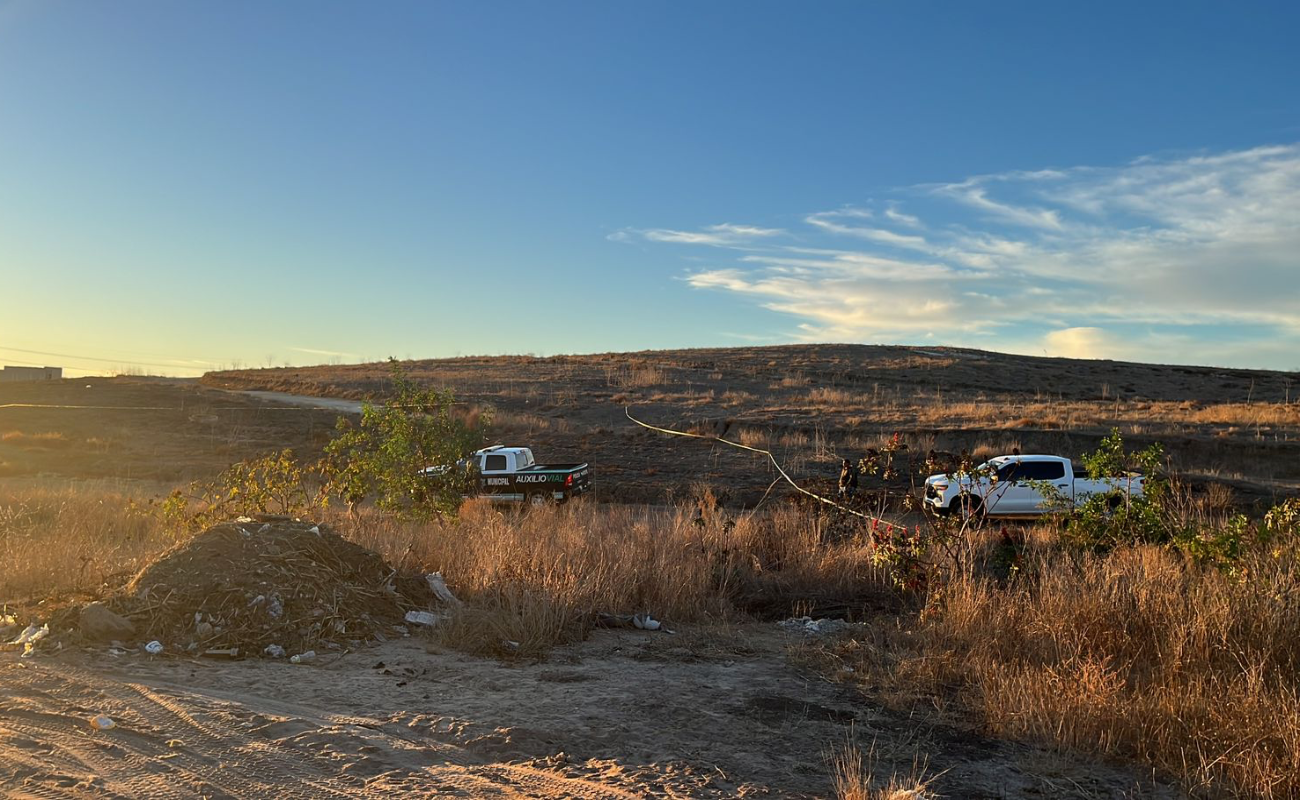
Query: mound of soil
{"type": "Point", "coordinates": [271, 581]}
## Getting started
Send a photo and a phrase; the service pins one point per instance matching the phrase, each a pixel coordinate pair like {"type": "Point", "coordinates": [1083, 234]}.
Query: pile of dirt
{"type": "Point", "coordinates": [253, 583]}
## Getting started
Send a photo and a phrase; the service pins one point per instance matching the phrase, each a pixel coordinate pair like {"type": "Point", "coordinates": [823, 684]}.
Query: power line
{"type": "Point", "coordinates": [93, 358]}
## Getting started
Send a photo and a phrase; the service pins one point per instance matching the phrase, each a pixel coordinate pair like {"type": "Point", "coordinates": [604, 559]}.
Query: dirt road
{"type": "Point", "coordinates": [719, 712]}
{"type": "Point", "coordinates": [326, 403]}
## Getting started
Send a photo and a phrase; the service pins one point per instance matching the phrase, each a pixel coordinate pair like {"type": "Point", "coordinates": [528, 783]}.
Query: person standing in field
{"type": "Point", "coordinates": [848, 479]}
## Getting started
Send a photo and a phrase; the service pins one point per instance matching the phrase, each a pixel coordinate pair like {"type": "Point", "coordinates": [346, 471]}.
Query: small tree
{"type": "Point", "coordinates": [1105, 520]}
{"type": "Point", "coordinates": [386, 454]}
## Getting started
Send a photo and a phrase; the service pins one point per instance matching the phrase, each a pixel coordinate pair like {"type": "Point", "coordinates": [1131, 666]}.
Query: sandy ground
{"type": "Point", "coordinates": [710, 713]}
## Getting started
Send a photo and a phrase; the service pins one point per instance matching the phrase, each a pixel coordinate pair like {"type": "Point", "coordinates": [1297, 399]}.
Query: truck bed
{"type": "Point", "coordinates": [552, 468]}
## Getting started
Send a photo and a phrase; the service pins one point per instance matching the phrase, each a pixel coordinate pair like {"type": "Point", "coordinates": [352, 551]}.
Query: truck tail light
{"type": "Point", "coordinates": [568, 482]}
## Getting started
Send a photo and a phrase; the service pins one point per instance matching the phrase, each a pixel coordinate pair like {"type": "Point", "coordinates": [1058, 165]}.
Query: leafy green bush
{"type": "Point", "coordinates": [1105, 520]}
{"type": "Point", "coordinates": [273, 484]}
{"type": "Point", "coordinates": [385, 454]}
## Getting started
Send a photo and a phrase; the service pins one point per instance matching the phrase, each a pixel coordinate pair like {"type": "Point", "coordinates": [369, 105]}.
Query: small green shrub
{"type": "Point", "coordinates": [383, 456]}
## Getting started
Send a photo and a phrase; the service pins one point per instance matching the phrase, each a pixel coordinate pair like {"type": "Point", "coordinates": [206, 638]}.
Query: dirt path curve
{"type": "Point", "coordinates": [327, 403]}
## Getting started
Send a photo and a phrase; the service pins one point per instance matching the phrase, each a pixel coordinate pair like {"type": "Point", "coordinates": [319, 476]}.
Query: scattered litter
{"type": "Point", "coordinates": [643, 622]}
{"type": "Point", "coordinates": [817, 627]}
{"type": "Point", "coordinates": [221, 652]}
{"type": "Point", "coordinates": [439, 587]}
{"type": "Point", "coordinates": [510, 646]}
{"type": "Point", "coordinates": [8, 622]}
{"type": "Point", "coordinates": [174, 743]}
{"type": "Point", "coordinates": [102, 723]}
{"type": "Point", "coordinates": [274, 651]}
{"type": "Point", "coordinates": [646, 622]}
{"type": "Point", "coordinates": [422, 618]}
{"type": "Point", "coordinates": [303, 658]}
{"type": "Point", "coordinates": [31, 635]}
{"type": "Point", "coordinates": [153, 648]}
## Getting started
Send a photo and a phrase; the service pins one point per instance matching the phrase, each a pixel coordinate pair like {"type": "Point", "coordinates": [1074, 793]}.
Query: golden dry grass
{"type": "Point", "coordinates": [1137, 654]}
{"type": "Point", "coordinates": [559, 566]}
{"type": "Point", "coordinates": [854, 775]}
{"type": "Point", "coordinates": [29, 441]}
{"type": "Point", "coordinates": [638, 377]}
{"type": "Point", "coordinates": [63, 539]}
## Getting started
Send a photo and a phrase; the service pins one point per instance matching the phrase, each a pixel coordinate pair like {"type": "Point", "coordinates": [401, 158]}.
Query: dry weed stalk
{"type": "Point", "coordinates": [853, 774]}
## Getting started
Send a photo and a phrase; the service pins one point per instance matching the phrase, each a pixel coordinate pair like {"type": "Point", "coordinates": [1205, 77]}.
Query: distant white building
{"type": "Point", "coordinates": [14, 374]}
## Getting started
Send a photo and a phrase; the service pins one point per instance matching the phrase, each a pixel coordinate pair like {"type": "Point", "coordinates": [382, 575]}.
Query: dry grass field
{"type": "Point", "coordinates": [1137, 672]}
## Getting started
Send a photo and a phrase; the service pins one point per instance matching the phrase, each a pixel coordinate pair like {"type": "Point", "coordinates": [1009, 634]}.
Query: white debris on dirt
{"type": "Point", "coordinates": [30, 638]}
{"type": "Point", "coordinates": [153, 648]}
{"type": "Point", "coordinates": [30, 635]}
{"type": "Point", "coordinates": [643, 622]}
{"type": "Point", "coordinates": [102, 723]}
{"type": "Point", "coordinates": [817, 627]}
{"type": "Point", "coordinates": [8, 624]}
{"type": "Point", "coordinates": [274, 651]}
{"type": "Point", "coordinates": [303, 658]}
{"type": "Point", "coordinates": [646, 622]}
{"type": "Point", "coordinates": [426, 618]}
{"type": "Point", "coordinates": [439, 587]}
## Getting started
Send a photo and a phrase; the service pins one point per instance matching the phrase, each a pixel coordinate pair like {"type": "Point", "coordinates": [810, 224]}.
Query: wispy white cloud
{"type": "Point", "coordinates": [721, 235]}
{"type": "Point", "coordinates": [1077, 254]}
{"type": "Point", "coordinates": [896, 216]}
{"type": "Point", "coordinates": [332, 353]}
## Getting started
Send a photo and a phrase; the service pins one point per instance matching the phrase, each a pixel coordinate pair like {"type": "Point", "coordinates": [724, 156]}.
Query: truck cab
{"type": "Point", "coordinates": [498, 460]}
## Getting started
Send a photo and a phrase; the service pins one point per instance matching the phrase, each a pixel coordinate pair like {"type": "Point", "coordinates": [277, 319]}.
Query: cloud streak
{"type": "Point", "coordinates": [721, 235]}
{"type": "Point", "coordinates": [1201, 253]}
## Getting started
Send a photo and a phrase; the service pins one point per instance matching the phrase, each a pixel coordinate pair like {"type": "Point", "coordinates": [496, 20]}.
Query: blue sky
{"type": "Point", "coordinates": [189, 185]}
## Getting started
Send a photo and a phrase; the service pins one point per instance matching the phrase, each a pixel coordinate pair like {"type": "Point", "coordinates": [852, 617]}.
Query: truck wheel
{"type": "Point", "coordinates": [538, 500]}
{"type": "Point", "coordinates": [969, 507]}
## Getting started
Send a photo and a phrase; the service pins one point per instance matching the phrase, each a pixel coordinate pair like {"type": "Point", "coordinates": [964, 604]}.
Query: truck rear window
{"type": "Point", "coordinates": [494, 463]}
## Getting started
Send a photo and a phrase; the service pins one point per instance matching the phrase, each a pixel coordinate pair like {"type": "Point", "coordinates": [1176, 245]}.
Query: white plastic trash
{"type": "Point", "coordinates": [439, 587]}
{"type": "Point", "coordinates": [102, 723]}
{"type": "Point", "coordinates": [31, 635]}
{"type": "Point", "coordinates": [646, 622]}
{"type": "Point", "coordinates": [303, 658]}
{"type": "Point", "coordinates": [153, 648]}
{"type": "Point", "coordinates": [274, 651]}
{"type": "Point", "coordinates": [421, 618]}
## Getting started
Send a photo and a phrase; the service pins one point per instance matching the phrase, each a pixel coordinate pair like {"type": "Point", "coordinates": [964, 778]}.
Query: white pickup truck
{"type": "Point", "coordinates": [1009, 486]}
